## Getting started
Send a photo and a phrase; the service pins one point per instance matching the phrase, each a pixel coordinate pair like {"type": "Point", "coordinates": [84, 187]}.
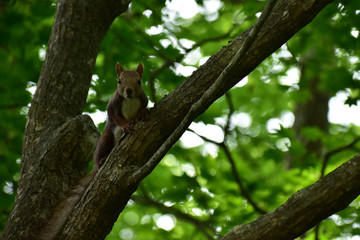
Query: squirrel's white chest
{"type": "Point", "coordinates": [130, 108]}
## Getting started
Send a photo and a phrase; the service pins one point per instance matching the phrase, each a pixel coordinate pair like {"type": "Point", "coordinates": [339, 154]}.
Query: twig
{"type": "Point", "coordinates": [151, 43]}
{"type": "Point", "coordinates": [201, 225]}
{"type": "Point", "coordinates": [332, 152]}
{"type": "Point", "coordinates": [168, 63]}
{"type": "Point", "coordinates": [317, 230]}
{"type": "Point", "coordinates": [237, 178]}
{"type": "Point", "coordinates": [208, 96]}
{"type": "Point", "coordinates": [231, 111]}
{"type": "Point", "coordinates": [239, 182]}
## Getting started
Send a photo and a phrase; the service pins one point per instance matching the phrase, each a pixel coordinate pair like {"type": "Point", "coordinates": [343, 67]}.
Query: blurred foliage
{"type": "Point", "coordinates": [245, 152]}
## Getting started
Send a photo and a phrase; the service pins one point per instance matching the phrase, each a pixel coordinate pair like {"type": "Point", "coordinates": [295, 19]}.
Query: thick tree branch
{"type": "Point", "coordinates": [325, 162]}
{"type": "Point", "coordinates": [208, 97]}
{"type": "Point", "coordinates": [306, 207]}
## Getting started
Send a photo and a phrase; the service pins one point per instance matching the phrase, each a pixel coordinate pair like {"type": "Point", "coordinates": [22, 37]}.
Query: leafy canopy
{"type": "Point", "coordinates": [247, 153]}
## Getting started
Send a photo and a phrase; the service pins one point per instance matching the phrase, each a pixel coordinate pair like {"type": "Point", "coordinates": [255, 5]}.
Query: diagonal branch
{"type": "Point", "coordinates": [208, 96]}
{"type": "Point", "coordinates": [325, 162]}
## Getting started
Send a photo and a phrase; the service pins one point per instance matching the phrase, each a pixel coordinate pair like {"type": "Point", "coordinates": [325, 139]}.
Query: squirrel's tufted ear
{"type": "Point", "coordinates": [140, 69]}
{"type": "Point", "coordinates": [119, 69]}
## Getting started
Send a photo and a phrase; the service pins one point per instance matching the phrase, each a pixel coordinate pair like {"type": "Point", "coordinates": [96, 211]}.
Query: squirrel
{"type": "Point", "coordinates": [128, 104]}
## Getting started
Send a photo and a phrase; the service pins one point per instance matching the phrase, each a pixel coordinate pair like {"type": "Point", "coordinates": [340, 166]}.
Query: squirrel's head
{"type": "Point", "coordinates": [129, 81]}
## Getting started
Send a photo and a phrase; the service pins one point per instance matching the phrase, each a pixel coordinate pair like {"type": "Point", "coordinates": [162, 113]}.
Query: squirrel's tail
{"type": "Point", "coordinates": [64, 208]}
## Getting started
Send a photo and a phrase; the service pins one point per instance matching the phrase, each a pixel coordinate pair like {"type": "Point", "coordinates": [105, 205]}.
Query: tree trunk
{"type": "Point", "coordinates": [314, 110]}
{"type": "Point", "coordinates": [54, 162]}
{"type": "Point", "coordinates": [58, 141]}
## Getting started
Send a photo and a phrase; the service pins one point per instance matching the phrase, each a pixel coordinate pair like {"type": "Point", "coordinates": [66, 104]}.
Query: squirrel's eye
{"type": "Point", "coordinates": [139, 82]}
{"type": "Point", "coordinates": [119, 81]}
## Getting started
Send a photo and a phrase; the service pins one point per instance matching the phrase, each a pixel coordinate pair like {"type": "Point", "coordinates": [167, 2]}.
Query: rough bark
{"type": "Point", "coordinates": [48, 169]}
{"type": "Point", "coordinates": [306, 207]}
{"type": "Point", "coordinates": [58, 141]}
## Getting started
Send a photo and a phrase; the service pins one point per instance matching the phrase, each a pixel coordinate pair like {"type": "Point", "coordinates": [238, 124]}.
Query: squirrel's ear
{"type": "Point", "coordinates": [119, 69]}
{"type": "Point", "coordinates": [140, 69]}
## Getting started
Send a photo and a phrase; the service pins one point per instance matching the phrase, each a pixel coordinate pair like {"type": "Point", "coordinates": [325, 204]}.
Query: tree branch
{"type": "Point", "coordinates": [231, 111]}
{"type": "Point", "coordinates": [325, 162]}
{"type": "Point", "coordinates": [208, 96]}
{"type": "Point", "coordinates": [307, 207]}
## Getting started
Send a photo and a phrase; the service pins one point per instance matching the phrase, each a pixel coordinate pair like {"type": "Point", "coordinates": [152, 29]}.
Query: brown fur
{"type": "Point", "coordinates": [128, 94]}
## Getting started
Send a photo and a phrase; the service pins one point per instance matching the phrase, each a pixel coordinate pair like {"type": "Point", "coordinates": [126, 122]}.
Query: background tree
{"type": "Point", "coordinates": [247, 165]}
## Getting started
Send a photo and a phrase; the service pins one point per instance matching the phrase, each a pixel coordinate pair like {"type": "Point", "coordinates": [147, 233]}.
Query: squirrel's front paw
{"type": "Point", "coordinates": [144, 114]}
{"type": "Point", "coordinates": [128, 127]}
